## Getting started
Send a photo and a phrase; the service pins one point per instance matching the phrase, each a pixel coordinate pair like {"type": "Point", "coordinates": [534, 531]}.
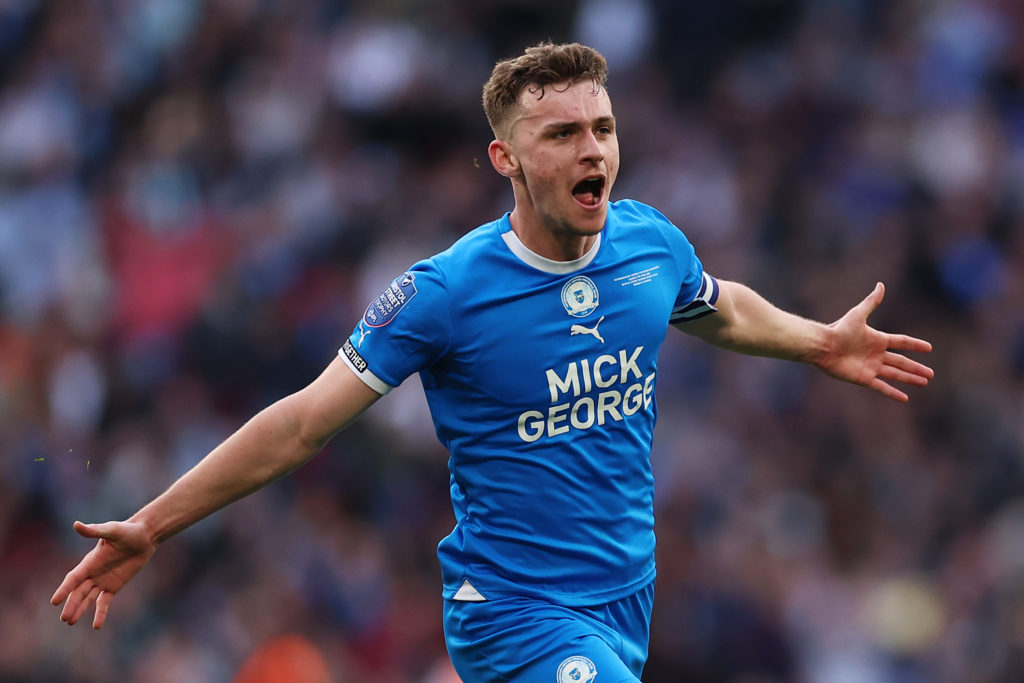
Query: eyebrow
{"type": "Point", "coordinates": [561, 125]}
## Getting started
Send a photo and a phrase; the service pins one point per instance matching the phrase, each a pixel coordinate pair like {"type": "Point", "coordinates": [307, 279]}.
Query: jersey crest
{"type": "Point", "coordinates": [393, 299]}
{"type": "Point", "coordinates": [580, 296]}
{"type": "Point", "coordinates": [576, 669]}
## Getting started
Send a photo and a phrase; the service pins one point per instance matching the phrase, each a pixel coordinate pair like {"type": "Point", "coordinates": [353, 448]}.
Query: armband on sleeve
{"type": "Point", "coordinates": [703, 304]}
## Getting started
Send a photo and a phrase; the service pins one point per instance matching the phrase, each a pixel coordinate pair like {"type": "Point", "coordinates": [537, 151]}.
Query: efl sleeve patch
{"type": "Point", "coordinates": [703, 304]}
{"type": "Point", "coordinates": [391, 301]}
{"type": "Point", "coordinates": [397, 336]}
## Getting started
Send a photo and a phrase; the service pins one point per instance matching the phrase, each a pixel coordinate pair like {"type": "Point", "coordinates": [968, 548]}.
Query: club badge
{"type": "Point", "coordinates": [576, 669]}
{"type": "Point", "coordinates": [579, 296]}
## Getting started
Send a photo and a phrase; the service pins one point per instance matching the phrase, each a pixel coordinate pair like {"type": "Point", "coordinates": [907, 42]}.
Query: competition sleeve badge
{"type": "Point", "coordinates": [393, 299]}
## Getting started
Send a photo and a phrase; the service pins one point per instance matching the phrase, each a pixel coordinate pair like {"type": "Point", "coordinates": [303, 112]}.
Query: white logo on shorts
{"type": "Point", "coordinates": [576, 669]}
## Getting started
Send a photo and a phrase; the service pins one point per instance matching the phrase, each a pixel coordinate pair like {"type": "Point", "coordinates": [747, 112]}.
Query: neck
{"type": "Point", "coordinates": [554, 244]}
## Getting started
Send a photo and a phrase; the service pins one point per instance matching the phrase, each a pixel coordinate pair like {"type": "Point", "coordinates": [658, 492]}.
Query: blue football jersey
{"type": "Point", "coordinates": [540, 377]}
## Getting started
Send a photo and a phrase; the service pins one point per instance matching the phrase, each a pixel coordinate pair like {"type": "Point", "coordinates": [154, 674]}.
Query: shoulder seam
{"type": "Point", "coordinates": [447, 303]}
{"type": "Point", "coordinates": [667, 244]}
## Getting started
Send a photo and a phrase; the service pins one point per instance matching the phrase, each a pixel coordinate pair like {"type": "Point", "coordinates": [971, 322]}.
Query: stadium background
{"type": "Point", "coordinates": [198, 198]}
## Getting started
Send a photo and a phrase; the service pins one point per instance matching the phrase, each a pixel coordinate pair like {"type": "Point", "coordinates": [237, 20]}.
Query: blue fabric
{"type": "Point", "coordinates": [541, 385]}
{"type": "Point", "coordinates": [527, 639]}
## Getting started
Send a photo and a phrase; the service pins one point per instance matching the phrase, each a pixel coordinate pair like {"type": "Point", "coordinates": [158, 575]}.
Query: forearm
{"type": "Point", "coordinates": [749, 324]}
{"type": "Point", "coordinates": [266, 448]}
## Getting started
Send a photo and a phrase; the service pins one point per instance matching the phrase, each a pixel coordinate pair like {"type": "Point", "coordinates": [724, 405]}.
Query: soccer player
{"type": "Point", "coordinates": [536, 337]}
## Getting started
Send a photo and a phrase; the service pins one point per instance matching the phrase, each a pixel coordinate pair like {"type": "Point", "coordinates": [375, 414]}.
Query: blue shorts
{"type": "Point", "coordinates": [528, 640]}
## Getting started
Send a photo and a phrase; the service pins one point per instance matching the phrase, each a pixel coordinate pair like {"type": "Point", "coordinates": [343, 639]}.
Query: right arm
{"type": "Point", "coordinates": [276, 441]}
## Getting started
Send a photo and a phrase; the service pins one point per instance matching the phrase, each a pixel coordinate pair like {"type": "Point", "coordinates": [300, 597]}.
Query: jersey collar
{"type": "Point", "coordinates": [545, 264]}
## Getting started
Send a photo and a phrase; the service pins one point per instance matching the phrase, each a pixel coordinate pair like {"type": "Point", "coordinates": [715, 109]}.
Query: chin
{"type": "Point", "coordinates": [592, 223]}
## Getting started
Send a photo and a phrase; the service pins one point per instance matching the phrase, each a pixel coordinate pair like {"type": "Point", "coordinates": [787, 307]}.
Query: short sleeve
{"type": "Point", "coordinates": [698, 290]}
{"type": "Point", "coordinates": [402, 331]}
{"type": "Point", "coordinates": [702, 304]}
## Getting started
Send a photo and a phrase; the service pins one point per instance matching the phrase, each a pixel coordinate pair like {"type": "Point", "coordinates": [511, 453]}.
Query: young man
{"type": "Point", "coordinates": [536, 337]}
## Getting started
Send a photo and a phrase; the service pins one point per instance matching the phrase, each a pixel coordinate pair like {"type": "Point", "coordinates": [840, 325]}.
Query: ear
{"type": "Point", "coordinates": [502, 158]}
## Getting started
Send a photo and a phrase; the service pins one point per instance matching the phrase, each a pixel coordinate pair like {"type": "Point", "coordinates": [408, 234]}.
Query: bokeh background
{"type": "Point", "coordinates": [199, 197]}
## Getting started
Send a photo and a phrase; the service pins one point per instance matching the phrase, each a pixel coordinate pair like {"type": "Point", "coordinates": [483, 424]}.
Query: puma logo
{"type": "Point", "coordinates": [580, 329]}
{"type": "Point", "coordinates": [362, 333]}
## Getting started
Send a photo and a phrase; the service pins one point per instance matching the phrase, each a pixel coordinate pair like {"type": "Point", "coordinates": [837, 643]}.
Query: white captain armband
{"type": "Point", "coordinates": [703, 304]}
{"type": "Point", "coordinates": [358, 365]}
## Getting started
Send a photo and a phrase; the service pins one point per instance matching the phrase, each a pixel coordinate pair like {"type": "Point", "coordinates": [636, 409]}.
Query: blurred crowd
{"type": "Point", "coordinates": [199, 197]}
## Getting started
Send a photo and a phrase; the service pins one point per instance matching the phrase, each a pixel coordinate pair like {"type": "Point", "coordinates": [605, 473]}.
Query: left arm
{"type": "Point", "coordinates": [848, 349]}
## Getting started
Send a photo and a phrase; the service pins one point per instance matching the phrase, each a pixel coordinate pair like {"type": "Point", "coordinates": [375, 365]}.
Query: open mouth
{"type": "Point", "coordinates": [588, 191]}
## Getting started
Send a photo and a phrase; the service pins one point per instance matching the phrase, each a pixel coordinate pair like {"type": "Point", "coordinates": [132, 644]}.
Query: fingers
{"type": "Point", "coordinates": [871, 301]}
{"type": "Point", "coordinates": [909, 366]}
{"type": "Point", "coordinates": [79, 599]}
{"type": "Point", "coordinates": [905, 343]}
{"type": "Point", "coordinates": [71, 580]}
{"type": "Point", "coordinates": [61, 594]}
{"type": "Point", "coordinates": [888, 390]}
{"type": "Point", "coordinates": [896, 375]}
{"type": "Point", "coordinates": [901, 342]}
{"type": "Point", "coordinates": [83, 605]}
{"type": "Point", "coordinates": [102, 606]}
{"type": "Point", "coordinates": [76, 602]}
{"type": "Point", "coordinates": [897, 368]}
{"type": "Point", "coordinates": [75, 578]}
{"type": "Point", "coordinates": [94, 580]}
{"type": "Point", "coordinates": [878, 292]}
{"type": "Point", "coordinates": [105, 530]}
{"type": "Point", "coordinates": [78, 605]}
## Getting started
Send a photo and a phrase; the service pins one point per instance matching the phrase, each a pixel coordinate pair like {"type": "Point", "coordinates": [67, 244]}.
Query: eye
{"type": "Point", "coordinates": [562, 134]}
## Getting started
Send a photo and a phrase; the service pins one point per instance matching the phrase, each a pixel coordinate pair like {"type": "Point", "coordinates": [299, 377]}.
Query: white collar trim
{"type": "Point", "coordinates": [545, 264]}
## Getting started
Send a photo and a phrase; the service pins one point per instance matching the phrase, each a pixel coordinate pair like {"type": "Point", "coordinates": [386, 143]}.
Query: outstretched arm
{"type": "Point", "coordinates": [848, 349]}
{"type": "Point", "coordinates": [277, 440]}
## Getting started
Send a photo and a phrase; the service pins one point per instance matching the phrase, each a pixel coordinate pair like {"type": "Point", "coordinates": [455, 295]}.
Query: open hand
{"type": "Point", "coordinates": [862, 355]}
{"type": "Point", "coordinates": [122, 550]}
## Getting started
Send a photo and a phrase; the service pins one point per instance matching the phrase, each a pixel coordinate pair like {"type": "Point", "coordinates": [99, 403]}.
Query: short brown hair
{"type": "Point", "coordinates": [540, 65]}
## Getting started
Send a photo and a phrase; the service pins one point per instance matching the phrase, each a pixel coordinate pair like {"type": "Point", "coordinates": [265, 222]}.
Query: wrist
{"type": "Point", "coordinates": [820, 345]}
{"type": "Point", "coordinates": [150, 529]}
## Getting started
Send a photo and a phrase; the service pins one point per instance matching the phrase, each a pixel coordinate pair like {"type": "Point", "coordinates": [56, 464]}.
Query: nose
{"type": "Point", "coordinates": [590, 148]}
